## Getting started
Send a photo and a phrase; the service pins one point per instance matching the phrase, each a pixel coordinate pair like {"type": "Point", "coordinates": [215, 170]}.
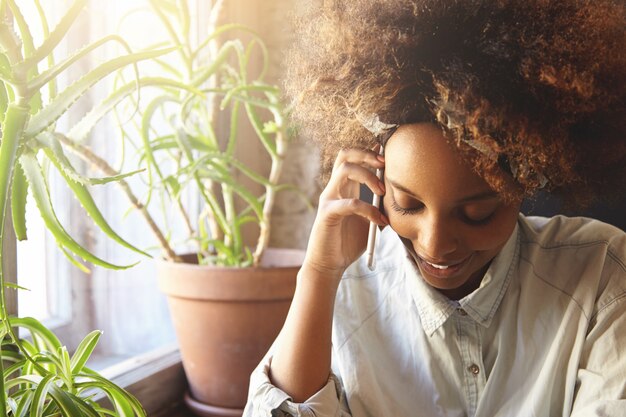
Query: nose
{"type": "Point", "coordinates": [436, 239]}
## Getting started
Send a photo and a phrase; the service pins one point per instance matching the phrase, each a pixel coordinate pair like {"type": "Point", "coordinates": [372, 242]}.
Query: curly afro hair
{"type": "Point", "coordinates": [532, 89]}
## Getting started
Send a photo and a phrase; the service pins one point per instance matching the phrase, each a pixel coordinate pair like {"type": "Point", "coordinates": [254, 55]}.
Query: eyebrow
{"type": "Point", "coordinates": [484, 195]}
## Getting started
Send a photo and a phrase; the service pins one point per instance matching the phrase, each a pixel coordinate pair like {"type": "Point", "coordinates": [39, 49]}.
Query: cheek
{"type": "Point", "coordinates": [404, 226]}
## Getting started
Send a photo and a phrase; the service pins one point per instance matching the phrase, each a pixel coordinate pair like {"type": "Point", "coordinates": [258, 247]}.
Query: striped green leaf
{"type": "Point", "coordinates": [84, 351]}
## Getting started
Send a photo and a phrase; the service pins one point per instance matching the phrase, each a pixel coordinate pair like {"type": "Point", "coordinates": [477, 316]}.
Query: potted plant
{"type": "Point", "coordinates": [39, 378]}
{"type": "Point", "coordinates": [228, 297]}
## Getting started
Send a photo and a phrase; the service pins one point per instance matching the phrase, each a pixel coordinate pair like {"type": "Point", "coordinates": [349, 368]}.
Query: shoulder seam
{"type": "Point", "coordinates": [560, 245]}
{"type": "Point", "coordinates": [616, 258]}
{"type": "Point", "coordinates": [545, 281]}
{"type": "Point", "coordinates": [615, 300]}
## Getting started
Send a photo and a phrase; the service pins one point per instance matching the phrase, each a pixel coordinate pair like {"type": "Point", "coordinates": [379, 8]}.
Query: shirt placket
{"type": "Point", "coordinates": [473, 368]}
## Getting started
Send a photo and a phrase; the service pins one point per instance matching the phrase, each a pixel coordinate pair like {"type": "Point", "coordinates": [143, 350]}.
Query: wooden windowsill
{"type": "Point", "coordinates": [156, 379]}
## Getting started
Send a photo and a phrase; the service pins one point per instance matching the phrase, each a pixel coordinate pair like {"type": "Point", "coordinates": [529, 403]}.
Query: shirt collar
{"type": "Point", "coordinates": [481, 305]}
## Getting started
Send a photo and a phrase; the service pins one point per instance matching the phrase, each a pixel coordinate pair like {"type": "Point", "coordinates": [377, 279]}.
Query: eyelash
{"type": "Point", "coordinates": [404, 211]}
{"type": "Point", "coordinates": [481, 222]}
{"type": "Point", "coordinates": [408, 211]}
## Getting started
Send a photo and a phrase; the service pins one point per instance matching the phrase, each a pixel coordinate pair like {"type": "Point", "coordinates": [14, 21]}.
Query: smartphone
{"type": "Point", "coordinates": [373, 230]}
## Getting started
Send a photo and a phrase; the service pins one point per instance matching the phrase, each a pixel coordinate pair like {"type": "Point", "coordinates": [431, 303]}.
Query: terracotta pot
{"type": "Point", "coordinates": [225, 321]}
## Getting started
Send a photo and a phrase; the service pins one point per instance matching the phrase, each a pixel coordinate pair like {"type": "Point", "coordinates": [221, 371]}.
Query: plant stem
{"type": "Point", "coordinates": [102, 165]}
{"type": "Point", "coordinates": [270, 195]}
{"type": "Point", "coordinates": [185, 217]}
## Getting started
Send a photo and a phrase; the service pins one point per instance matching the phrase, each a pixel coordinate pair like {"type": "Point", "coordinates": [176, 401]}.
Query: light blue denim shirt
{"type": "Point", "coordinates": [543, 335]}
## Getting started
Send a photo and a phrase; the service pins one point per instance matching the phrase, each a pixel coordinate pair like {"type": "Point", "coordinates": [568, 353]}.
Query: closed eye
{"type": "Point", "coordinates": [477, 219]}
{"type": "Point", "coordinates": [405, 210]}
{"type": "Point", "coordinates": [477, 222]}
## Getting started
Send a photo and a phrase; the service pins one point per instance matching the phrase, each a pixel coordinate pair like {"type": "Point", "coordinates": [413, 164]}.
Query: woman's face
{"type": "Point", "coordinates": [454, 221]}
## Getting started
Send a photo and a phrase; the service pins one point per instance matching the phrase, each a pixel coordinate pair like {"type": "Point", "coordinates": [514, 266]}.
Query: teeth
{"type": "Point", "coordinates": [438, 266]}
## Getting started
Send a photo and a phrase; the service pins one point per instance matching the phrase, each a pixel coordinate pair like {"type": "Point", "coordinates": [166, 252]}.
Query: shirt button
{"type": "Point", "coordinates": [473, 368]}
{"type": "Point", "coordinates": [461, 312]}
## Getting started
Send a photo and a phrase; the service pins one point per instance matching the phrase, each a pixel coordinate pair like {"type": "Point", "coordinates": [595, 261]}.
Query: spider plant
{"type": "Point", "coordinates": [51, 383]}
{"type": "Point", "coordinates": [31, 103]}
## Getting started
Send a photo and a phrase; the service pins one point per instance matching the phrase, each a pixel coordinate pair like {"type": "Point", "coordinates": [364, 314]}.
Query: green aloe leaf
{"type": "Point", "coordinates": [218, 174]}
{"type": "Point", "coordinates": [70, 257]}
{"type": "Point", "coordinates": [54, 150]}
{"type": "Point", "coordinates": [51, 42]}
{"type": "Point", "coordinates": [87, 202]}
{"type": "Point", "coordinates": [41, 195]}
{"type": "Point", "coordinates": [218, 63]}
{"type": "Point", "coordinates": [146, 125]}
{"type": "Point", "coordinates": [28, 46]}
{"type": "Point", "coordinates": [258, 178]}
{"type": "Point", "coordinates": [219, 31]}
{"type": "Point", "coordinates": [59, 105]}
{"type": "Point", "coordinates": [36, 83]}
{"type": "Point", "coordinates": [115, 178]}
{"type": "Point", "coordinates": [81, 129]}
{"type": "Point", "coordinates": [14, 122]}
{"type": "Point", "coordinates": [19, 193]}
{"type": "Point", "coordinates": [257, 124]}
{"type": "Point", "coordinates": [6, 72]}
{"type": "Point", "coordinates": [51, 73]}
{"type": "Point", "coordinates": [240, 93]}
{"type": "Point", "coordinates": [15, 286]}
{"type": "Point", "coordinates": [4, 100]}
{"type": "Point", "coordinates": [45, 29]}
{"type": "Point", "coordinates": [52, 147]}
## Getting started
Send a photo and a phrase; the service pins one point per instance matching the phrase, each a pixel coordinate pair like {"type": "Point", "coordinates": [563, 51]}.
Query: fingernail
{"type": "Point", "coordinates": [381, 158]}
{"type": "Point", "coordinates": [381, 185]}
{"type": "Point", "coordinates": [384, 218]}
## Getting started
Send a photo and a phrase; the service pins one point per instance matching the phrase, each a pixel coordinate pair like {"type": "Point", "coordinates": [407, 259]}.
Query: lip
{"type": "Point", "coordinates": [450, 271]}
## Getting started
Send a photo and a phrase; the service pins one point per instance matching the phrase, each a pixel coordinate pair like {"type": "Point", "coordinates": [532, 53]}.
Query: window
{"type": "Point", "coordinates": [126, 304]}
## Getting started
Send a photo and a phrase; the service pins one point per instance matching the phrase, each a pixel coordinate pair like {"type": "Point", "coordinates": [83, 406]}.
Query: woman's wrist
{"type": "Point", "coordinates": [315, 272]}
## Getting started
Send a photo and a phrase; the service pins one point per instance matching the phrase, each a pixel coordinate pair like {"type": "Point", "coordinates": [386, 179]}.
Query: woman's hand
{"type": "Point", "coordinates": [339, 233]}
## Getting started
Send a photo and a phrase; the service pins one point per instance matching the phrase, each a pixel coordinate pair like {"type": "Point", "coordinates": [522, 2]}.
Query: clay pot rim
{"type": "Point", "coordinates": [296, 254]}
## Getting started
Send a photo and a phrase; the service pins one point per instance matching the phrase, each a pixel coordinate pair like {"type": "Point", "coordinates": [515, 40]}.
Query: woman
{"type": "Point", "coordinates": [472, 309]}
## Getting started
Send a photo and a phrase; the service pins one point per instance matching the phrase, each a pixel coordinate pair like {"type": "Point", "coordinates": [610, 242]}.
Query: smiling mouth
{"type": "Point", "coordinates": [442, 270]}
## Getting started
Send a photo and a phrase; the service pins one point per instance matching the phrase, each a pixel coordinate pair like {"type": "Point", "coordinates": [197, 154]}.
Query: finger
{"type": "Point", "coordinates": [348, 172]}
{"type": "Point", "coordinates": [337, 210]}
{"type": "Point", "coordinates": [367, 158]}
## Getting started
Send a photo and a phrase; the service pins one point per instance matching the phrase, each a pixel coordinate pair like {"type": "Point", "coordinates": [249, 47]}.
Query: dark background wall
{"type": "Point", "coordinates": [547, 205]}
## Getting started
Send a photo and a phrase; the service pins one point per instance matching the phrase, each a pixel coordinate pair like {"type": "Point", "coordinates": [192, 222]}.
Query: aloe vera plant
{"type": "Point", "coordinates": [43, 380]}
{"type": "Point", "coordinates": [176, 128]}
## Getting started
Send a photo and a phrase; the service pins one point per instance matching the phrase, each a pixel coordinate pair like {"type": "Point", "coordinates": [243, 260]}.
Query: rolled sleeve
{"type": "Point", "coordinates": [266, 400]}
{"type": "Point", "coordinates": [601, 387]}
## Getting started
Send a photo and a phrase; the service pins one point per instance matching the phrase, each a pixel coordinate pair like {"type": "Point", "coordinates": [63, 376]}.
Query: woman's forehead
{"type": "Point", "coordinates": [419, 156]}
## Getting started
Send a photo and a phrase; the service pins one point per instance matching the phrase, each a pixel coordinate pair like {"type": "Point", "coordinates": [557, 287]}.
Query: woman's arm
{"type": "Point", "coordinates": [301, 361]}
